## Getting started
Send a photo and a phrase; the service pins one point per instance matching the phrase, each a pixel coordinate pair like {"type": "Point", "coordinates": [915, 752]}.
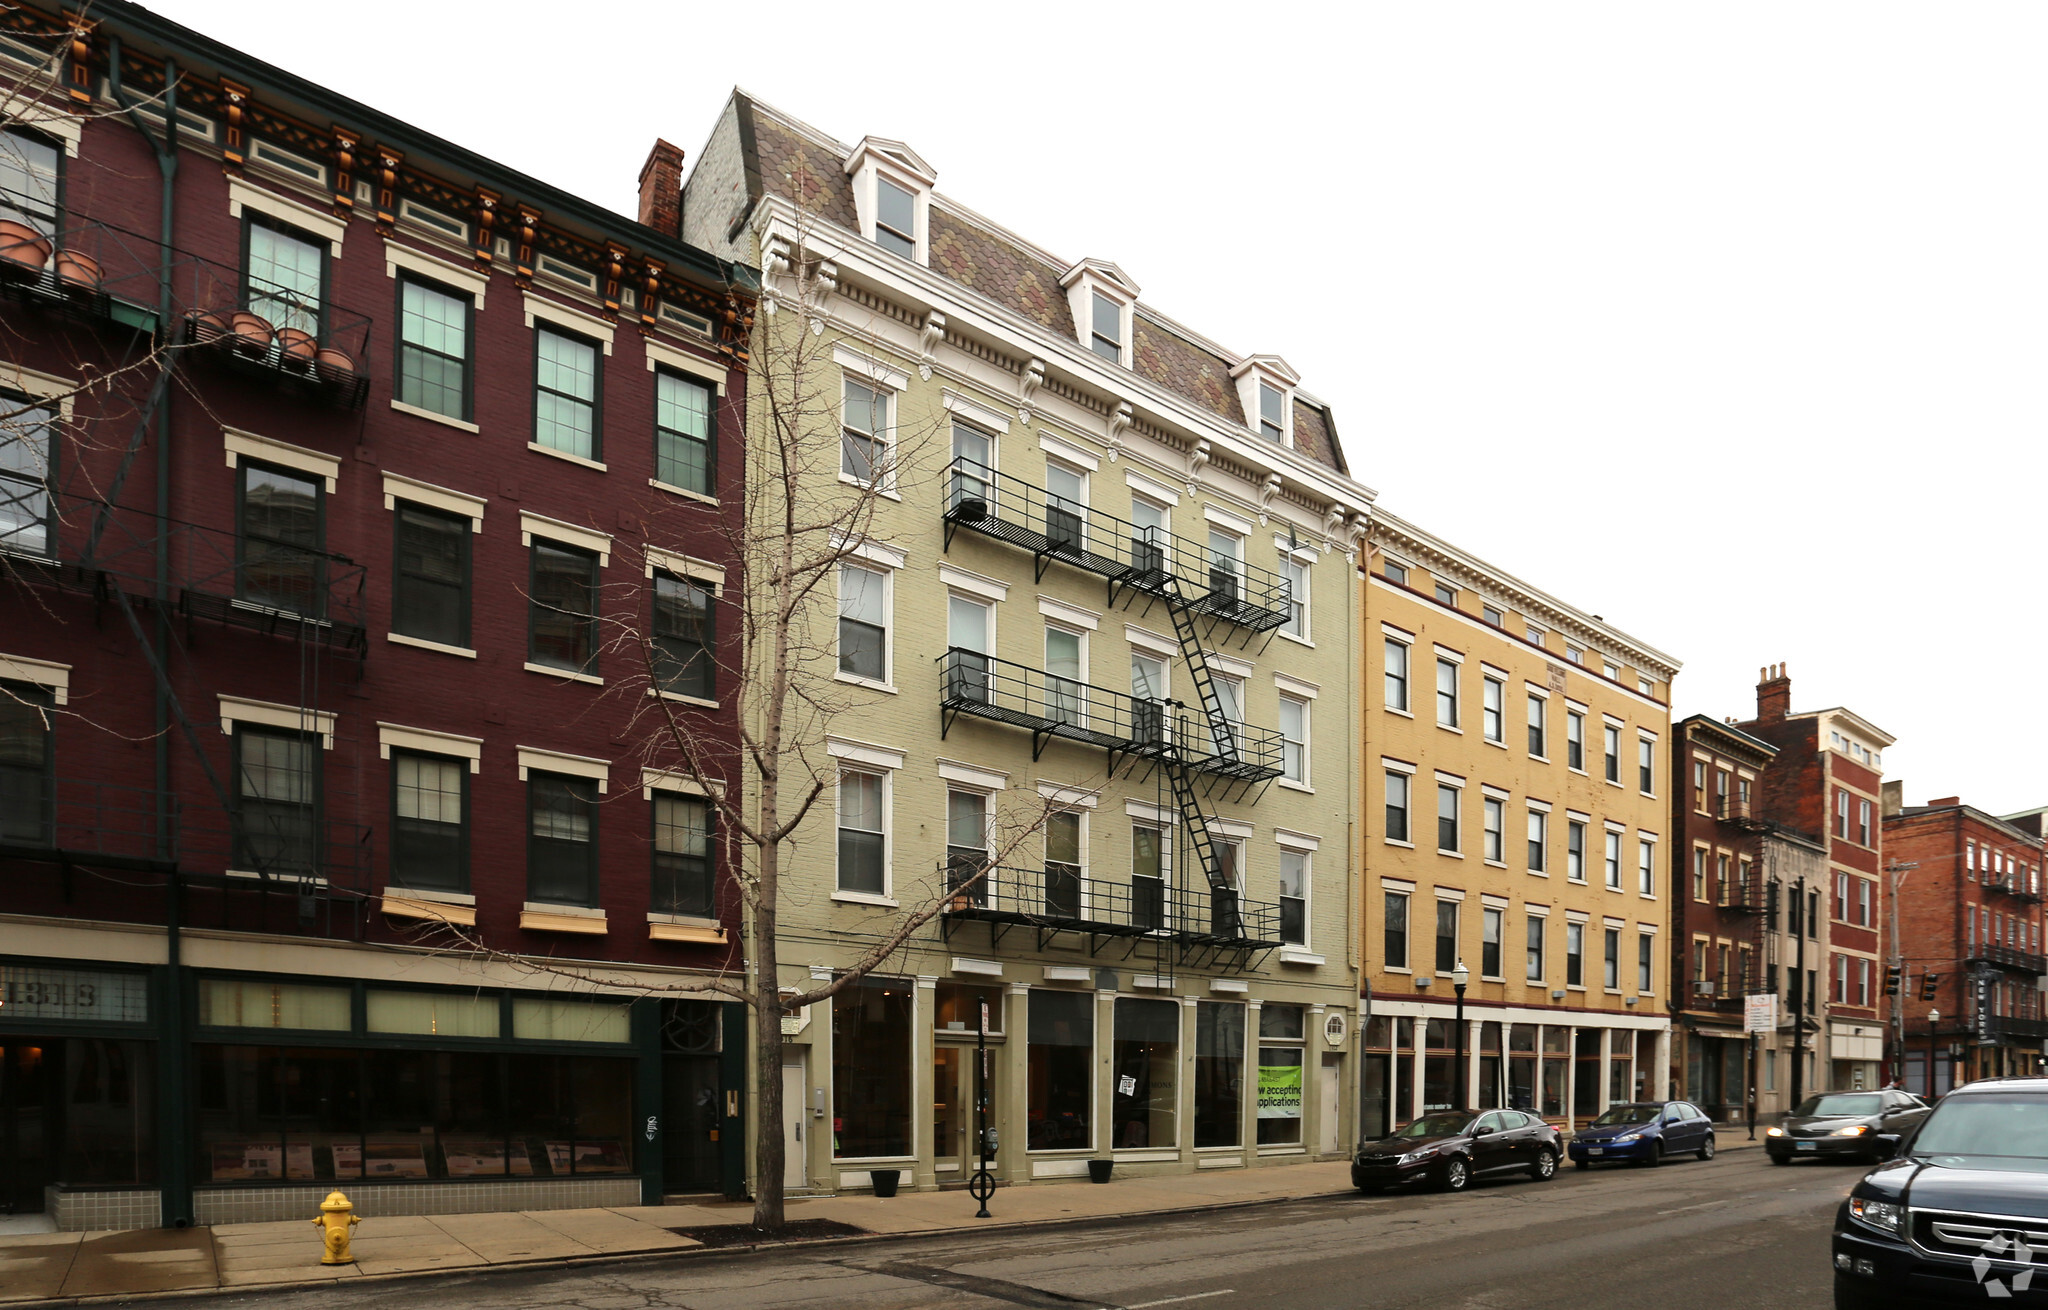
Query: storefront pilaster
{"type": "Point", "coordinates": [1013, 1075]}
{"type": "Point", "coordinates": [1186, 1086]}
{"type": "Point", "coordinates": [923, 1081]}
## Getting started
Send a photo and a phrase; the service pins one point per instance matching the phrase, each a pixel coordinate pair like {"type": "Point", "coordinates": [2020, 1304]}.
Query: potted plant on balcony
{"type": "Point", "coordinates": [22, 245]}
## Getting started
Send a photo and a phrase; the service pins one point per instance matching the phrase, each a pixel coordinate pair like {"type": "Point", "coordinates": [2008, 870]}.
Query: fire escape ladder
{"type": "Point", "coordinates": [1222, 732]}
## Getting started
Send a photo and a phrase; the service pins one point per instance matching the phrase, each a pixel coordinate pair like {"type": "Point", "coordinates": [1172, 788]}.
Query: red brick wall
{"type": "Point", "coordinates": [491, 697]}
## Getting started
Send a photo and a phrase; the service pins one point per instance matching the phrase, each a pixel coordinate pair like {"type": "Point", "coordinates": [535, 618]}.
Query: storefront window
{"type": "Point", "coordinates": [1219, 1073]}
{"type": "Point", "coordinates": [442, 1014]}
{"type": "Point", "coordinates": [871, 1069]}
{"type": "Point", "coordinates": [1586, 1081]}
{"type": "Point", "coordinates": [1553, 1070]}
{"type": "Point", "coordinates": [236, 1003]}
{"type": "Point", "coordinates": [1061, 1069]}
{"type": "Point", "coordinates": [1489, 1066]}
{"type": "Point", "coordinates": [1436, 1065]}
{"type": "Point", "coordinates": [1522, 1066]}
{"type": "Point", "coordinates": [109, 1113]}
{"type": "Point", "coordinates": [571, 1021]}
{"type": "Point", "coordinates": [1280, 1062]}
{"type": "Point", "coordinates": [959, 1007]}
{"type": "Point", "coordinates": [1143, 1060]}
{"type": "Point", "coordinates": [1621, 1068]}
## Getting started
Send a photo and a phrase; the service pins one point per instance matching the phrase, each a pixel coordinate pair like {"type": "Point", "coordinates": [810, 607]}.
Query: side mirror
{"type": "Point", "coordinates": [1481, 1132]}
{"type": "Point", "coordinates": [1888, 1144]}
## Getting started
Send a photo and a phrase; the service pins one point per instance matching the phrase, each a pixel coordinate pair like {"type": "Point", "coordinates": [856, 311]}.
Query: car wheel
{"type": "Point", "coordinates": [1707, 1148]}
{"type": "Point", "coordinates": [1853, 1295]}
{"type": "Point", "coordinates": [1455, 1175]}
{"type": "Point", "coordinates": [1781, 1159]}
{"type": "Point", "coordinates": [1582, 1164]}
{"type": "Point", "coordinates": [1655, 1155]}
{"type": "Point", "coordinates": [1545, 1167]}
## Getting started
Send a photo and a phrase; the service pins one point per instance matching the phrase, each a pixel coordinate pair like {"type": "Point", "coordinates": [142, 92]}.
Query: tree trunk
{"type": "Point", "coordinates": [767, 1008]}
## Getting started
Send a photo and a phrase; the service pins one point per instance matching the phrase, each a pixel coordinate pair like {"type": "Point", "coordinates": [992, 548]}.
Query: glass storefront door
{"type": "Point", "coordinates": [26, 1123]}
{"type": "Point", "coordinates": [953, 1106]}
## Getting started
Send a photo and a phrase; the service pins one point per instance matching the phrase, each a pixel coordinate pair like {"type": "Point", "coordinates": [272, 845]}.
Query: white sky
{"type": "Point", "coordinates": [1720, 321]}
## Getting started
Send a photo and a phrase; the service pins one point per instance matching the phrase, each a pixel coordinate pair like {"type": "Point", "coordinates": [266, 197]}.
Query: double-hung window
{"type": "Point", "coordinates": [1574, 954]}
{"type": "Point", "coordinates": [429, 822]}
{"type": "Point", "coordinates": [1446, 936]}
{"type": "Point", "coordinates": [31, 170]}
{"type": "Point", "coordinates": [1148, 879]}
{"type": "Point", "coordinates": [282, 562]}
{"type": "Point", "coordinates": [682, 855]}
{"type": "Point", "coordinates": [1613, 753]}
{"type": "Point", "coordinates": [1296, 574]}
{"type": "Point", "coordinates": [561, 849]}
{"type": "Point", "coordinates": [1539, 841]}
{"type": "Point", "coordinates": [1495, 812]}
{"type": "Point", "coordinates": [562, 614]}
{"type": "Point", "coordinates": [1646, 947]}
{"type": "Point", "coordinates": [1106, 328]}
{"type": "Point", "coordinates": [1610, 975]}
{"type": "Point", "coordinates": [1397, 806]}
{"type": "Point", "coordinates": [1394, 572]}
{"type": "Point", "coordinates": [895, 218]}
{"type": "Point", "coordinates": [1446, 817]}
{"type": "Point", "coordinates": [28, 521]}
{"type": "Point", "coordinates": [1396, 935]}
{"type": "Point", "coordinates": [683, 647]}
{"type": "Point", "coordinates": [286, 275]}
{"type": "Point", "coordinates": [1575, 850]}
{"type": "Point", "coordinates": [1493, 709]}
{"type": "Point", "coordinates": [26, 754]}
{"type": "Point", "coordinates": [277, 802]}
{"type": "Point", "coordinates": [1294, 739]}
{"type": "Point", "coordinates": [1397, 675]}
{"type": "Point", "coordinates": [1534, 971]}
{"type": "Point", "coordinates": [682, 432]}
{"type": "Point", "coordinates": [967, 836]}
{"type": "Point", "coordinates": [1646, 765]}
{"type": "Point", "coordinates": [863, 622]}
{"type": "Point", "coordinates": [1063, 848]}
{"type": "Point", "coordinates": [1613, 860]}
{"type": "Point", "coordinates": [863, 840]}
{"type": "Point", "coordinates": [433, 348]}
{"type": "Point", "coordinates": [1646, 868]}
{"type": "Point", "coordinates": [1272, 413]}
{"type": "Point", "coordinates": [1575, 740]}
{"type": "Point", "coordinates": [864, 434]}
{"type": "Point", "coordinates": [1492, 925]}
{"type": "Point", "coordinates": [1294, 897]}
{"type": "Point", "coordinates": [1538, 709]}
{"type": "Point", "coordinates": [565, 394]}
{"type": "Point", "coordinates": [1447, 693]}
{"type": "Point", "coordinates": [430, 582]}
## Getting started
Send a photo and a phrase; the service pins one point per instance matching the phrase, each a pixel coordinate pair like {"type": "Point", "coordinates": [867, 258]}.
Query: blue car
{"type": "Point", "coordinates": [1646, 1132]}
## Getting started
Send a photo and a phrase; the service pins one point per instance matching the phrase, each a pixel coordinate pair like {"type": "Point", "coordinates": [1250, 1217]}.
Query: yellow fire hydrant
{"type": "Point", "coordinates": [337, 1219]}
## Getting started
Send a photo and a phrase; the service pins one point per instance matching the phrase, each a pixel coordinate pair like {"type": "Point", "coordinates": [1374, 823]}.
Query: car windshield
{"type": "Point", "coordinates": [1435, 1125]}
{"type": "Point", "coordinates": [1862, 1103]}
{"type": "Point", "coordinates": [1627, 1114]}
{"type": "Point", "coordinates": [2015, 1127]}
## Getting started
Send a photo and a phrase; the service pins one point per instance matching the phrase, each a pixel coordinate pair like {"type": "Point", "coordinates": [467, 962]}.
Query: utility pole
{"type": "Point", "coordinates": [1801, 925]}
{"type": "Point", "coordinates": [1898, 869]}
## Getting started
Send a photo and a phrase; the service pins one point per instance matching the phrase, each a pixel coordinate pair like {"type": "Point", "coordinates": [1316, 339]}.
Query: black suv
{"type": "Point", "coordinates": [1960, 1213]}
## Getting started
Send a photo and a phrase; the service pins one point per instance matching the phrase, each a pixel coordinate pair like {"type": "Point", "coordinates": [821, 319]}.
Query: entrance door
{"type": "Point", "coordinates": [796, 1127]}
{"type": "Point", "coordinates": [689, 1139]}
{"type": "Point", "coordinates": [1326, 1091]}
{"type": "Point", "coordinates": [954, 1109]}
{"type": "Point", "coordinates": [27, 1127]}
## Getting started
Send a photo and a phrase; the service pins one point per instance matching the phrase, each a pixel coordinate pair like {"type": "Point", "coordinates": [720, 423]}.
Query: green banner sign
{"type": "Point", "coordinates": [1279, 1091]}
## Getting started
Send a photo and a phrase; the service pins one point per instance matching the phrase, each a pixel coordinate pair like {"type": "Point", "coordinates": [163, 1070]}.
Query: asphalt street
{"type": "Point", "coordinates": [1730, 1233]}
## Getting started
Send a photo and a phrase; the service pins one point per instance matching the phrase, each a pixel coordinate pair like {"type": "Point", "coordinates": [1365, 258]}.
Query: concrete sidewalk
{"type": "Point", "coordinates": [68, 1268]}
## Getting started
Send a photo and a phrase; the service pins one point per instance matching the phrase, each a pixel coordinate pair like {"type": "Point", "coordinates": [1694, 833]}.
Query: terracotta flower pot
{"type": "Point", "coordinates": [252, 332]}
{"type": "Point", "coordinates": [298, 347]}
{"type": "Point", "coordinates": [334, 365]}
{"type": "Point", "coordinates": [206, 327]}
{"type": "Point", "coordinates": [23, 245]}
{"type": "Point", "coordinates": [80, 271]}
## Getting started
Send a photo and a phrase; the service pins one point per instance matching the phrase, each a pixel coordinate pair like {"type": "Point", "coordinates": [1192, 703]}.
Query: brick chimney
{"type": "Point", "coordinates": [1773, 694]}
{"type": "Point", "coordinates": [661, 189]}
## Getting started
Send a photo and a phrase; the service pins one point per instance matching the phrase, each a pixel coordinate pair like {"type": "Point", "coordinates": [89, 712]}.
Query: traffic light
{"type": "Point", "coordinates": [1928, 982]}
{"type": "Point", "coordinates": [1894, 976]}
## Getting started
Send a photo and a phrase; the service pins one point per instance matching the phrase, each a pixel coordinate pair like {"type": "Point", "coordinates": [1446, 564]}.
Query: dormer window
{"type": "Point", "coordinates": [1272, 415]}
{"type": "Point", "coordinates": [895, 218]}
{"type": "Point", "coordinates": [1107, 330]}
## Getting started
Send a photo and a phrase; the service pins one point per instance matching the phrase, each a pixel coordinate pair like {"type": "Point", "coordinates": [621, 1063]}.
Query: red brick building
{"type": "Point", "coordinates": [347, 480]}
{"type": "Point", "coordinates": [1969, 938]}
{"type": "Point", "coordinates": [1826, 780]}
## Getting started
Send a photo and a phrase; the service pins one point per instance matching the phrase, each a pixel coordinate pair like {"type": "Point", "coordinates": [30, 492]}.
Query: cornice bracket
{"type": "Point", "coordinates": [928, 340]}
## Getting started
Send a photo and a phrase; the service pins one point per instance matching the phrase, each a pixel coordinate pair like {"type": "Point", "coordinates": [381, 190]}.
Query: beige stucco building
{"type": "Point", "coordinates": [1099, 634]}
{"type": "Point", "coordinates": [1514, 797]}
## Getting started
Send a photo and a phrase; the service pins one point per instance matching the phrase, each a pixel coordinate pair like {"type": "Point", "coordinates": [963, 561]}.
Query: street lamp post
{"type": "Point", "coordinates": [1459, 977]}
{"type": "Point", "coordinates": [1933, 1048]}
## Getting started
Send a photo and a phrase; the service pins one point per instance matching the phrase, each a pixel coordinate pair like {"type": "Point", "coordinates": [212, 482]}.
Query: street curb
{"type": "Point", "coordinates": [652, 1257]}
{"type": "Point", "coordinates": [701, 1252]}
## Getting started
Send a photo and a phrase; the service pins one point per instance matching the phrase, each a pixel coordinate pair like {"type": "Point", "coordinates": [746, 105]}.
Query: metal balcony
{"type": "Point", "coordinates": [1751, 897]}
{"type": "Point", "coordinates": [2031, 1030]}
{"type": "Point", "coordinates": [1056, 900]}
{"type": "Point", "coordinates": [2008, 957]}
{"type": "Point", "coordinates": [1740, 813]}
{"type": "Point", "coordinates": [1160, 564]}
{"type": "Point", "coordinates": [2010, 885]}
{"type": "Point", "coordinates": [97, 548]}
{"type": "Point", "coordinates": [1054, 708]}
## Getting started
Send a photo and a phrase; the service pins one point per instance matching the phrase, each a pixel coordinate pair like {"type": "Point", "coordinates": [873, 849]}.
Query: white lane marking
{"type": "Point", "coordinates": [1704, 1205]}
{"type": "Point", "coordinates": [1174, 1300]}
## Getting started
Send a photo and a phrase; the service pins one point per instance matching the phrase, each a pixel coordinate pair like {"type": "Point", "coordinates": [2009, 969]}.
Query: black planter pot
{"type": "Point", "coordinates": [885, 1180]}
{"type": "Point", "coordinates": [1098, 1170]}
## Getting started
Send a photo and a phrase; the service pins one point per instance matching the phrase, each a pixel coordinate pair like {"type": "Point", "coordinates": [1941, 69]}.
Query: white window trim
{"type": "Point", "coordinates": [1306, 781]}
{"type": "Point", "coordinates": [1069, 453]}
{"type": "Point", "coordinates": [683, 566]}
{"type": "Point", "coordinates": [974, 411]}
{"type": "Point", "coordinates": [239, 445]}
{"type": "Point", "coordinates": [429, 742]}
{"type": "Point", "coordinates": [870, 371]}
{"type": "Point", "coordinates": [1069, 616]}
{"type": "Point", "coordinates": [435, 269]}
{"type": "Point", "coordinates": [870, 754]}
{"type": "Point", "coordinates": [56, 678]}
{"type": "Point", "coordinates": [461, 504]}
{"type": "Point", "coordinates": [533, 525]}
{"type": "Point", "coordinates": [575, 766]}
{"type": "Point", "coordinates": [1150, 489]}
{"type": "Point", "coordinates": [682, 361]}
{"type": "Point", "coordinates": [573, 321]}
{"type": "Point", "coordinates": [887, 776]}
{"type": "Point", "coordinates": [1289, 685]}
{"type": "Point", "coordinates": [1068, 797]}
{"type": "Point", "coordinates": [236, 709]}
{"type": "Point", "coordinates": [972, 777]}
{"type": "Point", "coordinates": [1151, 643]}
{"type": "Point", "coordinates": [978, 585]}
{"type": "Point", "coordinates": [1229, 522]}
{"type": "Point", "coordinates": [888, 680]}
{"type": "Point", "coordinates": [654, 780]}
{"type": "Point", "coordinates": [289, 212]}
